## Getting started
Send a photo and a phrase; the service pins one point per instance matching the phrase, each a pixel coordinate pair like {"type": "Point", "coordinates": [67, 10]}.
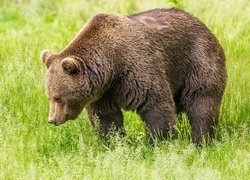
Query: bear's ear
{"type": "Point", "coordinates": [70, 65]}
{"type": "Point", "coordinates": [45, 54]}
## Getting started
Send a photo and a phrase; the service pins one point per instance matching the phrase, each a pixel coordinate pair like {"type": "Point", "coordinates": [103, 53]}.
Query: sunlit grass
{"type": "Point", "coordinates": [31, 148]}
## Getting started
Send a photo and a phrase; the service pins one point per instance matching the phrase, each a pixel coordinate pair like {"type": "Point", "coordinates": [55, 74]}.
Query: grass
{"type": "Point", "coordinates": [30, 148]}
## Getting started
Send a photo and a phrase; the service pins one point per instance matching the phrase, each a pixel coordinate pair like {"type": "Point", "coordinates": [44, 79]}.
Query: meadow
{"type": "Point", "coordinates": [30, 148]}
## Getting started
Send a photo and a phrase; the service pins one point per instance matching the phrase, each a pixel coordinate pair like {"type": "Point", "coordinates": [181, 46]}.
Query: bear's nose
{"type": "Point", "coordinates": [53, 122]}
{"type": "Point", "coordinates": [50, 121]}
{"type": "Point", "coordinates": [56, 123]}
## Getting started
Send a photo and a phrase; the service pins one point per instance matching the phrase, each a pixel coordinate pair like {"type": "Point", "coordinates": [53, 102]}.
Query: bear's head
{"type": "Point", "coordinates": [66, 86]}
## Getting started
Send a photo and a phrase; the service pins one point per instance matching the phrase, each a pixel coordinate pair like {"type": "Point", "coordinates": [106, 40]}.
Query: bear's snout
{"type": "Point", "coordinates": [58, 115]}
{"type": "Point", "coordinates": [57, 122]}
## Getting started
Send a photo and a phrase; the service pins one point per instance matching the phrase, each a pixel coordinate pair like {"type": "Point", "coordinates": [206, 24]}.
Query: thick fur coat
{"type": "Point", "coordinates": [157, 63]}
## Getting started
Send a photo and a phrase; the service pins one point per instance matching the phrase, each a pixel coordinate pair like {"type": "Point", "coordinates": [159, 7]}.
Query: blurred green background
{"type": "Point", "coordinates": [31, 148]}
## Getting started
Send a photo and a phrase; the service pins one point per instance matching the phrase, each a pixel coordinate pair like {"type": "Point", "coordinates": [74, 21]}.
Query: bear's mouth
{"type": "Point", "coordinates": [58, 122]}
{"type": "Point", "coordinates": [63, 120]}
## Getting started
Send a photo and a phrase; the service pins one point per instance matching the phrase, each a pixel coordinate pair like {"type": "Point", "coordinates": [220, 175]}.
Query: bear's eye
{"type": "Point", "coordinates": [58, 100]}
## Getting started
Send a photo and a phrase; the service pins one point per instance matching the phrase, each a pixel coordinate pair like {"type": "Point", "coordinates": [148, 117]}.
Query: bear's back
{"type": "Point", "coordinates": [160, 18]}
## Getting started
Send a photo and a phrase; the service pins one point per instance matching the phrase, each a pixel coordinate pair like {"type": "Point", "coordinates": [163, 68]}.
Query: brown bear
{"type": "Point", "coordinates": [158, 63]}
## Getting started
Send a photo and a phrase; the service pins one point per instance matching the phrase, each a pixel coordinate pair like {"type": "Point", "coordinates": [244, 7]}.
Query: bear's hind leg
{"type": "Point", "coordinates": [203, 113]}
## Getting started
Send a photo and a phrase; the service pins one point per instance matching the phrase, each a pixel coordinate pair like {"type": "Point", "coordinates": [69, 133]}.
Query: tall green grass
{"type": "Point", "coordinates": [30, 148]}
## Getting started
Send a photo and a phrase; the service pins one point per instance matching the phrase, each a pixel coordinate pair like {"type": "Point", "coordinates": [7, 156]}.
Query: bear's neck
{"type": "Point", "coordinates": [100, 73]}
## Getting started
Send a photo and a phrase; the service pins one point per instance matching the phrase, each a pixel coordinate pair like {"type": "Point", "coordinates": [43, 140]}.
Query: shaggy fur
{"type": "Point", "coordinates": [157, 63]}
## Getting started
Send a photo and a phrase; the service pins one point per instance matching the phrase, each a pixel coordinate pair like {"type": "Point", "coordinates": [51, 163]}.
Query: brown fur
{"type": "Point", "coordinates": [157, 63]}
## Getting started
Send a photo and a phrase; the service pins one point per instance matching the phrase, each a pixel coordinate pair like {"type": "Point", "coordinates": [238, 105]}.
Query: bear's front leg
{"type": "Point", "coordinates": [159, 120]}
{"type": "Point", "coordinates": [109, 120]}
